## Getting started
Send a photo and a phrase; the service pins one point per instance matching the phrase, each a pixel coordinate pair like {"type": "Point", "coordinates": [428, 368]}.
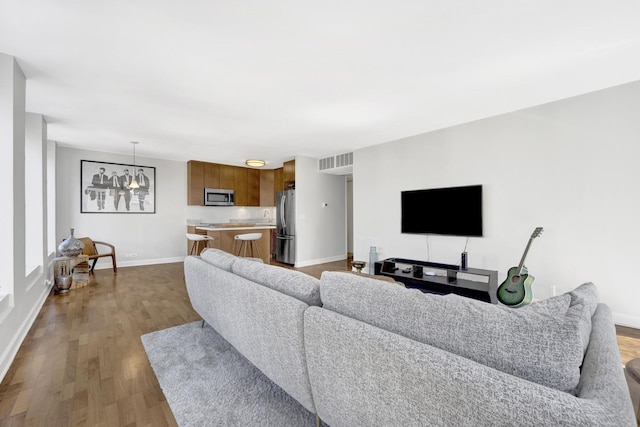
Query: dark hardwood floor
{"type": "Point", "coordinates": [83, 364]}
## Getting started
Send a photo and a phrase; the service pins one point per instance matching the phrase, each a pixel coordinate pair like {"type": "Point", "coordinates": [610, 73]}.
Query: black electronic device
{"type": "Point", "coordinates": [455, 211]}
{"type": "Point", "coordinates": [452, 276]}
{"type": "Point", "coordinates": [463, 261]}
{"type": "Point", "coordinates": [389, 267]}
{"type": "Point", "coordinates": [417, 271]}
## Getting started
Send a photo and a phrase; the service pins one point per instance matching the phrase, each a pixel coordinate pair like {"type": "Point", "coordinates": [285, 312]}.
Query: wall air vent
{"type": "Point", "coordinates": [327, 163]}
{"type": "Point", "coordinates": [342, 164]}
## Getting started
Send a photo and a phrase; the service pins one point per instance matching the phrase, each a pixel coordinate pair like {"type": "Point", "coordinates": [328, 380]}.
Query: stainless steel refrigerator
{"type": "Point", "coordinates": [286, 227]}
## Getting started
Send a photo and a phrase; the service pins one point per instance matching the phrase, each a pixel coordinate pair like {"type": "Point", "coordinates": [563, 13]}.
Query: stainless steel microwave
{"type": "Point", "coordinates": [219, 197]}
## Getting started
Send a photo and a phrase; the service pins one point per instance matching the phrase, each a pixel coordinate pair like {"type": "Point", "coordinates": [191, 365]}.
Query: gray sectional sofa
{"type": "Point", "coordinates": [359, 352]}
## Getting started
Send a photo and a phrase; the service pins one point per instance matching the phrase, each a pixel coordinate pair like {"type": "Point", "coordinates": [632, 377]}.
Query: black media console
{"type": "Point", "coordinates": [441, 278]}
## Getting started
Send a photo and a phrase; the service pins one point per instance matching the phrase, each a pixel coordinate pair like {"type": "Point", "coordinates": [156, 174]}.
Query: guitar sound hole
{"type": "Point", "coordinates": [515, 279]}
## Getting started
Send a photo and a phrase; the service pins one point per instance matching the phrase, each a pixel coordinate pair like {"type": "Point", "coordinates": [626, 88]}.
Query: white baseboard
{"type": "Point", "coordinates": [626, 320]}
{"type": "Point", "coordinates": [107, 264]}
{"type": "Point", "coordinates": [9, 354]}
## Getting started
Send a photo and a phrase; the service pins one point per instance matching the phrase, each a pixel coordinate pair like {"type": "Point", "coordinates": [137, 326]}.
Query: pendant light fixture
{"type": "Point", "coordinates": [134, 183]}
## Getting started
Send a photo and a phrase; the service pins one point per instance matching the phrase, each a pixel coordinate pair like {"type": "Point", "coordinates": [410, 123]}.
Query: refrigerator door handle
{"type": "Point", "coordinates": [282, 220]}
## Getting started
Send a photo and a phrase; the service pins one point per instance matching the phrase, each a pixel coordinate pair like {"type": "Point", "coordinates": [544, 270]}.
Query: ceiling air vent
{"type": "Point", "coordinates": [342, 164]}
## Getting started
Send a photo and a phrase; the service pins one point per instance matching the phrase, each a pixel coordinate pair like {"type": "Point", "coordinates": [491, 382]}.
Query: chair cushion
{"type": "Point", "coordinates": [89, 247]}
{"type": "Point", "coordinates": [543, 342]}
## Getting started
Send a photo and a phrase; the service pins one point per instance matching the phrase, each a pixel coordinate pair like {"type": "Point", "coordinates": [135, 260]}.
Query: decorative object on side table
{"type": "Point", "coordinates": [373, 257]}
{"type": "Point", "coordinates": [358, 265]}
{"type": "Point", "coordinates": [71, 247]}
{"type": "Point", "coordinates": [70, 273]}
{"type": "Point", "coordinates": [63, 279]}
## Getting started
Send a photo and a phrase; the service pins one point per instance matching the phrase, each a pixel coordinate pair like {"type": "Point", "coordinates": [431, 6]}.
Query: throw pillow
{"type": "Point", "coordinates": [543, 342]}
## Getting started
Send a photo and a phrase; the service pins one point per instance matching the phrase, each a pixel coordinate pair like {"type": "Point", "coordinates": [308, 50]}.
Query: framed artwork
{"type": "Point", "coordinates": [117, 188]}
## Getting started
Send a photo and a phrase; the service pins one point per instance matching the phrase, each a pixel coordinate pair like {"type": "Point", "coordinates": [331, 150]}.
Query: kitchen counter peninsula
{"type": "Point", "coordinates": [224, 236]}
{"type": "Point", "coordinates": [231, 226]}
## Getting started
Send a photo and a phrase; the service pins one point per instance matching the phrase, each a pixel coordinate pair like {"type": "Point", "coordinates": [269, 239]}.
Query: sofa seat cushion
{"type": "Point", "coordinates": [543, 342]}
{"type": "Point", "coordinates": [290, 282]}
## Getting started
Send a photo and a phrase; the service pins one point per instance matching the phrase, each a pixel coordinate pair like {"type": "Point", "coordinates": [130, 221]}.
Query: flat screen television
{"type": "Point", "coordinates": [455, 211]}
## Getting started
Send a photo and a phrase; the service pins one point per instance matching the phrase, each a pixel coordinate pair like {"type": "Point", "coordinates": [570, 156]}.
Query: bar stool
{"type": "Point", "coordinates": [197, 239]}
{"type": "Point", "coordinates": [248, 240]}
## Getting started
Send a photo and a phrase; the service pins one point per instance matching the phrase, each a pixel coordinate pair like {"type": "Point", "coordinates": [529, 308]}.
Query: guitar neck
{"type": "Point", "coordinates": [524, 255]}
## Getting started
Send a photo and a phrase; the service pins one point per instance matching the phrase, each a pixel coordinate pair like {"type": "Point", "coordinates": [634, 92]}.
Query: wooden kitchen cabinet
{"type": "Point", "coordinates": [253, 187]}
{"type": "Point", "coordinates": [278, 183]}
{"type": "Point", "coordinates": [289, 173]}
{"type": "Point", "coordinates": [241, 185]}
{"type": "Point", "coordinates": [216, 242]}
{"type": "Point", "coordinates": [267, 192]}
{"type": "Point", "coordinates": [283, 177]}
{"type": "Point", "coordinates": [227, 176]}
{"type": "Point", "coordinates": [195, 183]}
{"type": "Point", "coordinates": [201, 175]}
{"type": "Point", "coordinates": [212, 175]}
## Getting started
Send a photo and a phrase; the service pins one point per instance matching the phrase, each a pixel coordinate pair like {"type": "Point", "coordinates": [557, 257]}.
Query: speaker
{"type": "Point", "coordinates": [463, 260]}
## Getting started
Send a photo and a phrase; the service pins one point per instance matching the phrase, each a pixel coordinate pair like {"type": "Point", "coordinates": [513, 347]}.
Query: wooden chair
{"type": "Point", "coordinates": [91, 251]}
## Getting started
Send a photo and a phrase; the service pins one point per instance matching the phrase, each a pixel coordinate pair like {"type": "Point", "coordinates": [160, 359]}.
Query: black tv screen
{"type": "Point", "coordinates": [455, 211]}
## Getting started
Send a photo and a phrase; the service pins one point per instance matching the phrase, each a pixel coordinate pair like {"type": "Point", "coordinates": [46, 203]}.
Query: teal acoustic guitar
{"type": "Point", "coordinates": [515, 291]}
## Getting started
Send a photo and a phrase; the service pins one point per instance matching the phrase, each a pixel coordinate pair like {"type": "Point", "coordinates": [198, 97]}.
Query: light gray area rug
{"type": "Point", "coordinates": [208, 383]}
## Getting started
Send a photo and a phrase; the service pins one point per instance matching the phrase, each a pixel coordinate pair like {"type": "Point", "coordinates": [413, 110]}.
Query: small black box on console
{"type": "Point", "coordinates": [417, 271]}
{"type": "Point", "coordinates": [452, 276]}
{"type": "Point", "coordinates": [388, 267]}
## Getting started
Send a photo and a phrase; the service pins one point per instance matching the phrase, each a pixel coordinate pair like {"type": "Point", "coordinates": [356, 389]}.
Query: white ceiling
{"type": "Point", "coordinates": [228, 80]}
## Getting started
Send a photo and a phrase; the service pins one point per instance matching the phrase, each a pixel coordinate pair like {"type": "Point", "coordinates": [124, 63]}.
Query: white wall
{"type": "Point", "coordinates": [570, 166]}
{"type": "Point", "coordinates": [21, 293]}
{"type": "Point", "coordinates": [321, 231]}
{"type": "Point", "coordinates": [155, 238]}
{"type": "Point", "coordinates": [349, 215]}
{"type": "Point", "coordinates": [35, 201]}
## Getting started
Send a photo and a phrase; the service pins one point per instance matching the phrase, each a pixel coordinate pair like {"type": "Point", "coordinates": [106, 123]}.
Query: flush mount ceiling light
{"type": "Point", "coordinates": [134, 183]}
{"type": "Point", "coordinates": [255, 163]}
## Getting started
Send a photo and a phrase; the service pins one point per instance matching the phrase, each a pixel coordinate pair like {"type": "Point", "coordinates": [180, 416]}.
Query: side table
{"type": "Point", "coordinates": [70, 273]}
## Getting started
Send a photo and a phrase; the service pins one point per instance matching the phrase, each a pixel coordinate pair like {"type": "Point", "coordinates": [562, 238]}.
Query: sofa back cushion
{"type": "Point", "coordinates": [543, 342]}
{"type": "Point", "coordinates": [219, 258]}
{"type": "Point", "coordinates": [290, 282]}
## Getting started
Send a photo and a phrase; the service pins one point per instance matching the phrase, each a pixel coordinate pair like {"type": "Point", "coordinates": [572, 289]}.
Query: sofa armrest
{"type": "Point", "coordinates": [602, 376]}
{"type": "Point", "coordinates": [361, 375]}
